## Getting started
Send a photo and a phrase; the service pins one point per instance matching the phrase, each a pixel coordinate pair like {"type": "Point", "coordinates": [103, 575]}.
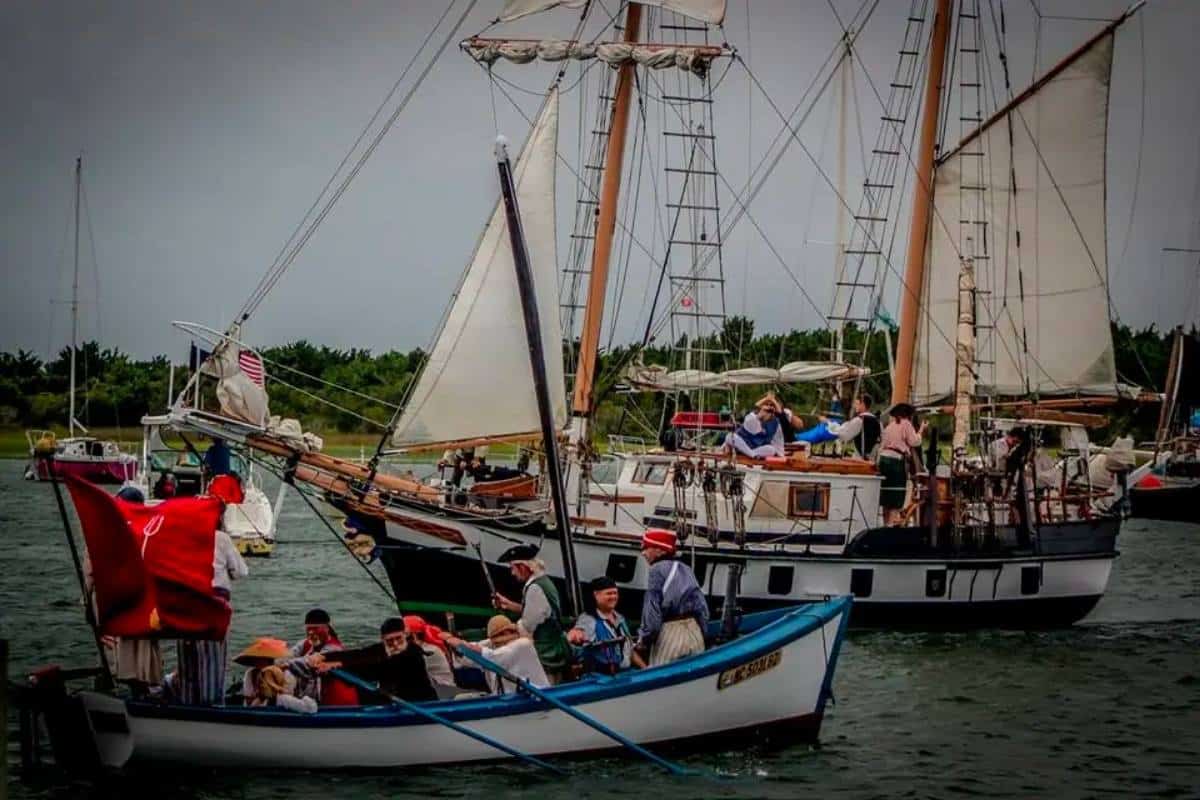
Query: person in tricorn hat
{"type": "Point", "coordinates": [540, 609]}
{"type": "Point", "coordinates": [319, 637]}
{"type": "Point", "coordinates": [603, 623]}
{"type": "Point", "coordinates": [674, 611]}
{"type": "Point", "coordinates": [395, 662]}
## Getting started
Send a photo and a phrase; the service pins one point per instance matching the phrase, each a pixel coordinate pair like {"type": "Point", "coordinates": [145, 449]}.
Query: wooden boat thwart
{"type": "Point", "coordinates": [773, 681]}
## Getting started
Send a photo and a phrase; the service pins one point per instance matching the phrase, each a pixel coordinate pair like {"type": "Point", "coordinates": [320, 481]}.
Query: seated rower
{"type": "Point", "coordinates": [507, 647]}
{"type": "Point", "coordinates": [396, 663]}
{"type": "Point", "coordinates": [760, 434]}
{"type": "Point", "coordinates": [540, 609]}
{"type": "Point", "coordinates": [604, 624]}
{"type": "Point", "coordinates": [674, 611]}
{"type": "Point", "coordinates": [261, 655]}
{"type": "Point", "coordinates": [437, 664]}
{"type": "Point", "coordinates": [319, 637]}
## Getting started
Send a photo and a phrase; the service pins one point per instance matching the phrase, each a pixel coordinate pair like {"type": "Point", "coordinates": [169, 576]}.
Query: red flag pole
{"type": "Point", "coordinates": [105, 680]}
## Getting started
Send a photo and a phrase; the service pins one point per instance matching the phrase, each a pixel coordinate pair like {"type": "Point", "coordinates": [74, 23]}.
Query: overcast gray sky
{"type": "Point", "coordinates": [209, 127]}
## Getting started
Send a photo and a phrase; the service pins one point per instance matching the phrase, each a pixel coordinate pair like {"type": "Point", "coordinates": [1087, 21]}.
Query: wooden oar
{"type": "Point", "coordinates": [440, 720]}
{"type": "Point", "coordinates": [595, 724]}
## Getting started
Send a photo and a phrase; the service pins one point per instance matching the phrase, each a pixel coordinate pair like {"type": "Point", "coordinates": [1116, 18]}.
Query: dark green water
{"type": "Point", "coordinates": [1110, 707]}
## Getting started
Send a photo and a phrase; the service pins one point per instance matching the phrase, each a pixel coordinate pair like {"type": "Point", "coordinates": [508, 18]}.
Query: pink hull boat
{"type": "Point", "coordinates": [96, 470]}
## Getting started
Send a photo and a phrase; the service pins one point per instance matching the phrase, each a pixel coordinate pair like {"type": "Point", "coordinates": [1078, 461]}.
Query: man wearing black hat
{"type": "Point", "coordinates": [396, 663]}
{"type": "Point", "coordinates": [540, 609]}
{"type": "Point", "coordinates": [604, 624]}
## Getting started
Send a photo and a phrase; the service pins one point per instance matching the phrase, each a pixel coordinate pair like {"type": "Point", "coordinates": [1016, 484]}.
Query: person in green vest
{"type": "Point", "coordinates": [540, 609]}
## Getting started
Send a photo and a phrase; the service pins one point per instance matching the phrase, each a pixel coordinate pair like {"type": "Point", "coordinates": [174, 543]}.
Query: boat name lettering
{"type": "Point", "coordinates": [750, 669]}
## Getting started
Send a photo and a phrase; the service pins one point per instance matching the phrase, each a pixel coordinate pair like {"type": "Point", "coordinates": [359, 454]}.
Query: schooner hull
{"type": "Point", "coordinates": [933, 591]}
{"type": "Point", "coordinates": [774, 681]}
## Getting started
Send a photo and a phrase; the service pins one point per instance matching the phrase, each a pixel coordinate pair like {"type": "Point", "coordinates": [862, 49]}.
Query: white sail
{"type": "Point", "coordinates": [1042, 252]}
{"type": "Point", "coordinates": [655, 378]}
{"type": "Point", "coordinates": [478, 382]}
{"type": "Point", "coordinates": [711, 11]}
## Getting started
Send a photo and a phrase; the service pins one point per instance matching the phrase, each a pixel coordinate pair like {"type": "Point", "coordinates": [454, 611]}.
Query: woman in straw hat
{"type": "Point", "coordinates": [266, 683]}
{"type": "Point", "coordinates": [271, 689]}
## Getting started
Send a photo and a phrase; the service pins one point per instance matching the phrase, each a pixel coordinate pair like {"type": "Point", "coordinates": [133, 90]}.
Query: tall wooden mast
{"type": "Point", "coordinates": [75, 297]}
{"type": "Point", "coordinates": [610, 192]}
{"type": "Point", "coordinates": [914, 270]}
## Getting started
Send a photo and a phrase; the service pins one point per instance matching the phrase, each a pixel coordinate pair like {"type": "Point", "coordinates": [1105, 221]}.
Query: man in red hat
{"type": "Point", "coordinates": [674, 612]}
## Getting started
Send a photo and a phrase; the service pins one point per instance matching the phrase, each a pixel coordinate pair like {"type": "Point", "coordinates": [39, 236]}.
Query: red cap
{"type": "Point", "coordinates": [661, 538]}
{"type": "Point", "coordinates": [433, 635]}
{"type": "Point", "coordinates": [414, 624]}
{"type": "Point", "coordinates": [1151, 481]}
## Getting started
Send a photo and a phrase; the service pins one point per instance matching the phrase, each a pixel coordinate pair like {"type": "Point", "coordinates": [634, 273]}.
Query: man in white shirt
{"type": "Point", "coordinates": [507, 647]}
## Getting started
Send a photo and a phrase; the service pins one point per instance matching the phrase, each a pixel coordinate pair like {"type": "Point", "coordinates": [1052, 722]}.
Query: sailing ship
{"type": "Point", "coordinates": [1004, 310]}
{"type": "Point", "coordinates": [97, 460]}
{"type": "Point", "coordinates": [1168, 488]}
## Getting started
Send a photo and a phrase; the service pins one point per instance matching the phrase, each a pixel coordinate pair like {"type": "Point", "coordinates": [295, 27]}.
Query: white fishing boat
{"type": "Point", "coordinates": [249, 518]}
{"type": "Point", "coordinates": [771, 684]}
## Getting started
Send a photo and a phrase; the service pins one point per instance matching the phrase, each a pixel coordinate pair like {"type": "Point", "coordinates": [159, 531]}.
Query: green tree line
{"type": "Point", "coordinates": [356, 390]}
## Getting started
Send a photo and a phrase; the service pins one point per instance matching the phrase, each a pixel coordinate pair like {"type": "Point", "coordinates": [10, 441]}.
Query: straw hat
{"type": "Point", "coordinates": [501, 626]}
{"type": "Point", "coordinates": [264, 649]}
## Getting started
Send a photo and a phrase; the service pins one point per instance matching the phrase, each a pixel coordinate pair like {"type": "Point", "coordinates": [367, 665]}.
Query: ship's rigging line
{"type": "Point", "coordinates": [300, 236]}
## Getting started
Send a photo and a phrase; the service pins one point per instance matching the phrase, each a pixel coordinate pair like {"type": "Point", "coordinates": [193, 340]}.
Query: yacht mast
{"type": "Point", "coordinates": [914, 276]}
{"type": "Point", "coordinates": [610, 191]}
{"type": "Point", "coordinates": [75, 297]}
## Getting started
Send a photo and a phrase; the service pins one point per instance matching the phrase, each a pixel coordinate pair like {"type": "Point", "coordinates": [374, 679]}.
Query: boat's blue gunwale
{"type": "Point", "coordinates": [791, 625]}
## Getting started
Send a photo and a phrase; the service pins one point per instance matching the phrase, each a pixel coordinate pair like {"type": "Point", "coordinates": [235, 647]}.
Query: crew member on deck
{"type": "Point", "coordinates": [437, 663]}
{"type": "Point", "coordinates": [895, 450]}
{"type": "Point", "coordinates": [604, 624]}
{"type": "Point", "coordinates": [862, 429]}
{"type": "Point", "coordinates": [540, 609]}
{"type": "Point", "coordinates": [759, 435]}
{"type": "Point", "coordinates": [674, 612]}
{"type": "Point", "coordinates": [217, 459]}
{"type": "Point", "coordinates": [395, 662]}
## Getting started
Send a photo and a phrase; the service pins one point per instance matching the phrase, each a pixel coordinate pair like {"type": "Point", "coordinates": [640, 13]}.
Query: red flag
{"type": "Point", "coordinates": [152, 566]}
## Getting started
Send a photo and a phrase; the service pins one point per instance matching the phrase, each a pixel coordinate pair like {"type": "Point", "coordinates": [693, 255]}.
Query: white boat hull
{"type": "Point", "coordinates": [762, 681]}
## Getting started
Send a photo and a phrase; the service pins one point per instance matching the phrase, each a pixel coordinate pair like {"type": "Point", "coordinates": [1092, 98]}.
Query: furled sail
{"type": "Point", "coordinates": [691, 58]}
{"type": "Point", "coordinates": [1040, 253]}
{"type": "Point", "coordinates": [660, 379]}
{"type": "Point", "coordinates": [711, 11]}
{"type": "Point", "coordinates": [478, 382]}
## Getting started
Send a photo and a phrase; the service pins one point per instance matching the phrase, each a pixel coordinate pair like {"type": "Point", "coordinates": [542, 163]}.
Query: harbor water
{"type": "Point", "coordinates": [1109, 707]}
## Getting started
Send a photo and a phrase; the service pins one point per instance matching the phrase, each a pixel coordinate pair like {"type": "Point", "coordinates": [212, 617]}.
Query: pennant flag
{"type": "Point", "coordinates": [152, 566]}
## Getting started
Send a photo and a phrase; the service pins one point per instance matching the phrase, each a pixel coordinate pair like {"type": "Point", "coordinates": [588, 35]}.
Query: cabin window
{"type": "Point", "coordinates": [862, 581]}
{"type": "Point", "coordinates": [1031, 579]}
{"type": "Point", "coordinates": [779, 580]}
{"type": "Point", "coordinates": [621, 568]}
{"type": "Point", "coordinates": [791, 500]}
{"type": "Point", "coordinates": [935, 583]}
{"type": "Point", "coordinates": [652, 472]}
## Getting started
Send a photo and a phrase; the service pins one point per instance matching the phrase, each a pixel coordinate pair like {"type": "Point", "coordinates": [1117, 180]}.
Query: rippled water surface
{"type": "Point", "coordinates": [1110, 707]}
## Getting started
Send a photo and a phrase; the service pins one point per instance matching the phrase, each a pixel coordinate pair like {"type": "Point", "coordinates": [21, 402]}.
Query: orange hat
{"type": "Point", "coordinates": [661, 538]}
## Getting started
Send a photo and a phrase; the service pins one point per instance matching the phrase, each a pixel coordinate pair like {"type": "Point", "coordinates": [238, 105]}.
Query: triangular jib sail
{"type": "Point", "coordinates": [478, 382]}
{"type": "Point", "coordinates": [1040, 253]}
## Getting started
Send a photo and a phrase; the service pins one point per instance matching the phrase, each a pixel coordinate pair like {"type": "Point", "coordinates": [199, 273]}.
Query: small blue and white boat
{"type": "Point", "coordinates": [771, 683]}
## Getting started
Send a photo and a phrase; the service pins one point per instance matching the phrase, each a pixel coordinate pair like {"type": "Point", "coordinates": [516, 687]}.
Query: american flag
{"type": "Point", "coordinates": [252, 365]}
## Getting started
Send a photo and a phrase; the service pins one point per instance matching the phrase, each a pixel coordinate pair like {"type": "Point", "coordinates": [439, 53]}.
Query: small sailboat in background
{"type": "Point", "coordinates": [96, 460]}
{"type": "Point", "coordinates": [1168, 488]}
